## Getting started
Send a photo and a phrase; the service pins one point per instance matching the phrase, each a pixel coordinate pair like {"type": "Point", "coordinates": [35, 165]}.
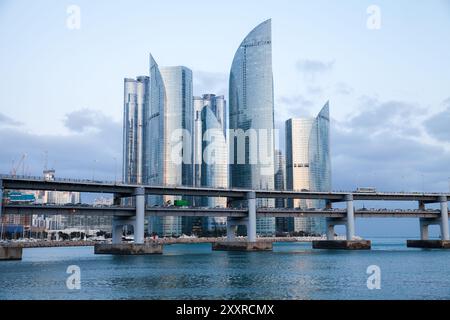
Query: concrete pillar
{"type": "Point", "coordinates": [117, 230]}
{"type": "Point", "coordinates": [140, 216]}
{"type": "Point", "coordinates": [231, 230]}
{"type": "Point", "coordinates": [350, 217]}
{"type": "Point", "coordinates": [330, 230]}
{"type": "Point", "coordinates": [251, 225]}
{"type": "Point", "coordinates": [444, 218]}
{"type": "Point", "coordinates": [117, 200]}
{"type": "Point", "coordinates": [424, 229]}
{"type": "Point", "coordinates": [421, 205]}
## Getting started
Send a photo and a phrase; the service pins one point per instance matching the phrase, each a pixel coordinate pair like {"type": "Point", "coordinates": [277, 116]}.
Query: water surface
{"type": "Point", "coordinates": [291, 271]}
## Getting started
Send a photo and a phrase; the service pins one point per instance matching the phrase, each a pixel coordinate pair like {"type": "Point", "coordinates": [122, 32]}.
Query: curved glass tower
{"type": "Point", "coordinates": [251, 107]}
{"type": "Point", "coordinates": [154, 125]}
{"type": "Point", "coordinates": [210, 153]}
{"type": "Point", "coordinates": [308, 164]}
{"type": "Point", "coordinates": [135, 108]}
{"type": "Point", "coordinates": [171, 110]}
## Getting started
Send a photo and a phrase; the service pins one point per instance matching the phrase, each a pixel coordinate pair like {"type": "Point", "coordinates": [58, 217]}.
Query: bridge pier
{"type": "Point", "coordinates": [251, 244]}
{"type": "Point", "coordinates": [251, 223]}
{"type": "Point", "coordinates": [117, 230]}
{"type": "Point", "coordinates": [231, 229]}
{"type": "Point", "coordinates": [444, 218]}
{"type": "Point", "coordinates": [424, 241]}
{"type": "Point", "coordinates": [10, 253]}
{"type": "Point", "coordinates": [139, 247]}
{"type": "Point", "coordinates": [139, 228]}
{"type": "Point", "coordinates": [350, 243]}
{"type": "Point", "coordinates": [424, 224]}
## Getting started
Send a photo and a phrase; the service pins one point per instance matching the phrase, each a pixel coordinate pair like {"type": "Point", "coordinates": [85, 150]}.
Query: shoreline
{"type": "Point", "coordinates": [167, 241]}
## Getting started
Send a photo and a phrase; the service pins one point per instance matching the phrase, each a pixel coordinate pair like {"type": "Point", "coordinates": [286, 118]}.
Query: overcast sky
{"type": "Point", "coordinates": [389, 88]}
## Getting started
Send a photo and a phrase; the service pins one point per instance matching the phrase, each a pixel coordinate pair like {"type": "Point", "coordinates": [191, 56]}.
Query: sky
{"type": "Point", "coordinates": [389, 93]}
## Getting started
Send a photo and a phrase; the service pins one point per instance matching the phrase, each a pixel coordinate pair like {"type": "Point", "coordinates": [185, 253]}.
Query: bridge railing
{"type": "Point", "coordinates": [118, 183]}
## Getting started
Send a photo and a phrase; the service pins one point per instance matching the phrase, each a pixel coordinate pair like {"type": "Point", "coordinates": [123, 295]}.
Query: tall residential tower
{"type": "Point", "coordinates": [308, 165]}
{"type": "Point", "coordinates": [251, 111]}
{"type": "Point", "coordinates": [210, 153]}
{"type": "Point", "coordinates": [158, 121]}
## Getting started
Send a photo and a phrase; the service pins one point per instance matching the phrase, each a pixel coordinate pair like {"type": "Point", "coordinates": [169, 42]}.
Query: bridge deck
{"type": "Point", "coordinates": [124, 190]}
{"type": "Point", "coordinates": [212, 212]}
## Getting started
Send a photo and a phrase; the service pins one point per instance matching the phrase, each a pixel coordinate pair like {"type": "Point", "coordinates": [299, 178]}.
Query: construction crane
{"type": "Point", "coordinates": [20, 163]}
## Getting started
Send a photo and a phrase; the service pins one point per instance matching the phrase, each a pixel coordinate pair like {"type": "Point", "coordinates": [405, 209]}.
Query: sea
{"type": "Point", "coordinates": [293, 271]}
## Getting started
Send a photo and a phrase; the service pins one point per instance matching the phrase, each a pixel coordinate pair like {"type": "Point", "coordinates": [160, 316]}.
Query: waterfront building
{"type": "Point", "coordinates": [308, 165]}
{"type": "Point", "coordinates": [135, 108]}
{"type": "Point", "coordinates": [210, 153]}
{"type": "Point", "coordinates": [157, 108]}
{"type": "Point", "coordinates": [283, 224]}
{"type": "Point", "coordinates": [251, 108]}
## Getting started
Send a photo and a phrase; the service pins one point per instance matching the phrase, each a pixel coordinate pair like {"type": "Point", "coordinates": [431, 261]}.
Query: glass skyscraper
{"type": "Point", "coordinates": [177, 115]}
{"type": "Point", "coordinates": [283, 224]}
{"type": "Point", "coordinates": [252, 107]}
{"type": "Point", "coordinates": [156, 109]}
{"type": "Point", "coordinates": [210, 152]}
{"type": "Point", "coordinates": [308, 164]}
{"type": "Point", "coordinates": [135, 108]}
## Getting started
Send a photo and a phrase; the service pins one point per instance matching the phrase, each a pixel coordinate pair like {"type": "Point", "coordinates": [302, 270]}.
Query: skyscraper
{"type": "Point", "coordinates": [157, 109]}
{"type": "Point", "coordinates": [251, 108]}
{"type": "Point", "coordinates": [308, 165]}
{"type": "Point", "coordinates": [175, 116]}
{"type": "Point", "coordinates": [210, 152]}
{"type": "Point", "coordinates": [155, 167]}
{"type": "Point", "coordinates": [135, 109]}
{"type": "Point", "coordinates": [282, 224]}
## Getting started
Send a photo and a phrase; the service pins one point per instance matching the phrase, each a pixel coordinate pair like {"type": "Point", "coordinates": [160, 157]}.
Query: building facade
{"type": "Point", "coordinates": [210, 153]}
{"type": "Point", "coordinates": [308, 165]}
{"type": "Point", "coordinates": [158, 123]}
{"type": "Point", "coordinates": [135, 108]}
{"type": "Point", "coordinates": [251, 111]}
{"type": "Point", "coordinates": [283, 224]}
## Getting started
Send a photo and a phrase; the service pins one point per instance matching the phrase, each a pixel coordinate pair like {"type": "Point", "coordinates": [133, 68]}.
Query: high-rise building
{"type": "Point", "coordinates": [308, 165]}
{"type": "Point", "coordinates": [158, 122]}
{"type": "Point", "coordinates": [156, 164]}
{"type": "Point", "coordinates": [252, 108]}
{"type": "Point", "coordinates": [135, 109]}
{"type": "Point", "coordinates": [170, 124]}
{"type": "Point", "coordinates": [210, 153]}
{"type": "Point", "coordinates": [283, 224]}
{"type": "Point", "coordinates": [179, 116]}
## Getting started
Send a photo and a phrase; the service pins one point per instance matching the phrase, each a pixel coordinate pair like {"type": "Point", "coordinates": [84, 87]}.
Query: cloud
{"type": "Point", "coordinates": [292, 107]}
{"type": "Point", "coordinates": [384, 146]}
{"type": "Point", "coordinates": [343, 89]}
{"type": "Point", "coordinates": [311, 68]}
{"type": "Point", "coordinates": [80, 154]}
{"type": "Point", "coordinates": [85, 119]}
{"type": "Point", "coordinates": [7, 121]}
{"type": "Point", "coordinates": [390, 116]}
{"type": "Point", "coordinates": [438, 126]}
{"type": "Point", "coordinates": [210, 82]}
{"type": "Point", "coordinates": [315, 90]}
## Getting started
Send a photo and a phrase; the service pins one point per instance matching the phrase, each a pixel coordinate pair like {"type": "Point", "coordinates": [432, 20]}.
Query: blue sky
{"type": "Point", "coordinates": [62, 90]}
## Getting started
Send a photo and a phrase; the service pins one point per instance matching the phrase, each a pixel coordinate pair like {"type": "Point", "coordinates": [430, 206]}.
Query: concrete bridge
{"type": "Point", "coordinates": [246, 216]}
